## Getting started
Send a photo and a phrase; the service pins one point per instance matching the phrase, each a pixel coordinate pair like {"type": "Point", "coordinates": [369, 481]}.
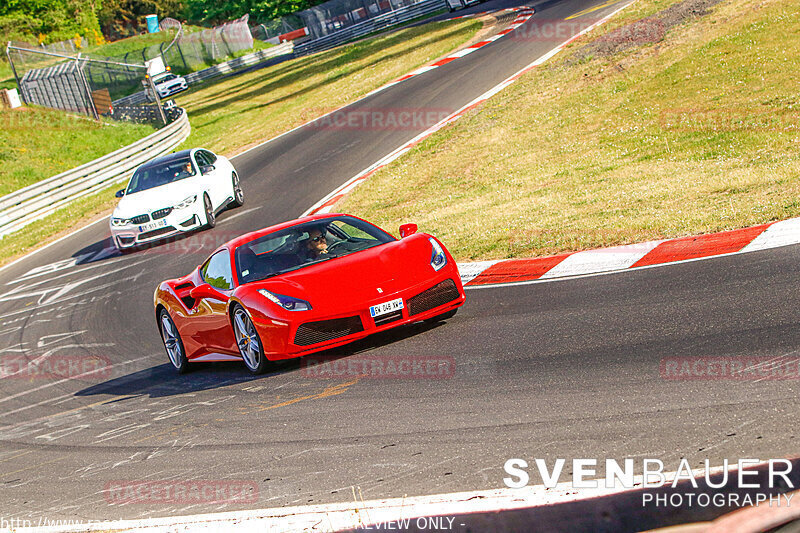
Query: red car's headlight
{"type": "Point", "coordinates": [438, 257]}
{"type": "Point", "coordinates": [287, 302]}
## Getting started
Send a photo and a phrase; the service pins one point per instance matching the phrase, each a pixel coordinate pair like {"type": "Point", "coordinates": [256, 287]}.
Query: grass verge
{"type": "Point", "coordinates": [231, 115]}
{"type": "Point", "coordinates": [38, 143]}
{"type": "Point", "coordinates": [694, 132]}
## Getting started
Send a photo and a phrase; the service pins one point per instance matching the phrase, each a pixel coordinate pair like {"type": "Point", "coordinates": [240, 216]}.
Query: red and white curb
{"type": "Point", "coordinates": [325, 205]}
{"type": "Point", "coordinates": [617, 258]}
{"type": "Point", "coordinates": [522, 18]}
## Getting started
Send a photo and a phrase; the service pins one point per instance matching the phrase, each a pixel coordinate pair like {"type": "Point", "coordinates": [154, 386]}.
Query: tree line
{"type": "Point", "coordinates": [56, 20]}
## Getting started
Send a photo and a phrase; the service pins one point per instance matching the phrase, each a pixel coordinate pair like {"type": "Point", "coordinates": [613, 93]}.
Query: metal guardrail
{"type": "Point", "coordinates": [218, 70]}
{"type": "Point", "coordinates": [378, 23]}
{"type": "Point", "coordinates": [36, 201]}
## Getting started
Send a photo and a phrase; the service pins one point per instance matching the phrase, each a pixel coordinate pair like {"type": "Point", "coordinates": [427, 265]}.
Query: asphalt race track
{"type": "Point", "coordinates": [562, 369]}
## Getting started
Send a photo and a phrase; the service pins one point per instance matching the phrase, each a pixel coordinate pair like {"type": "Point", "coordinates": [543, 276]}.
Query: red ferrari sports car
{"type": "Point", "coordinates": [304, 286]}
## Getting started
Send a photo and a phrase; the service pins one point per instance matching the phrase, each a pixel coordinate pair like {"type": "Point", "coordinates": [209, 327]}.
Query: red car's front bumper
{"type": "Point", "coordinates": [286, 340]}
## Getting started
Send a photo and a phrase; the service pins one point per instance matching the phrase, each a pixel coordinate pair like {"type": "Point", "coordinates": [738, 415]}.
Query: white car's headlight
{"type": "Point", "coordinates": [119, 221]}
{"type": "Point", "coordinates": [438, 258]}
{"type": "Point", "coordinates": [186, 202]}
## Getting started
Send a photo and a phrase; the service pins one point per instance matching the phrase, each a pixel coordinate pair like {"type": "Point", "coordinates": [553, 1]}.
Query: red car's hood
{"type": "Point", "coordinates": [357, 278]}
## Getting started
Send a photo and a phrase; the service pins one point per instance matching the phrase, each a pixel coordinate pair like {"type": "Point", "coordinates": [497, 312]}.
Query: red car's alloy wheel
{"type": "Point", "coordinates": [173, 343]}
{"type": "Point", "coordinates": [248, 341]}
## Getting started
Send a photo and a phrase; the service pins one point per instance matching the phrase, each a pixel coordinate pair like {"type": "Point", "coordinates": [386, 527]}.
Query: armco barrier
{"type": "Point", "coordinates": [218, 70]}
{"type": "Point", "coordinates": [361, 29]}
{"type": "Point", "coordinates": [36, 201]}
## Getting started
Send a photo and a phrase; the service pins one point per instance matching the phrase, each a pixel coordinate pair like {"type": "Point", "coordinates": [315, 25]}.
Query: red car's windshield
{"type": "Point", "coordinates": [305, 244]}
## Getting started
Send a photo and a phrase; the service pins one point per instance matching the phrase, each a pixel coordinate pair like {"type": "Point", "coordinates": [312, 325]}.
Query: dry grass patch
{"type": "Point", "coordinates": [695, 133]}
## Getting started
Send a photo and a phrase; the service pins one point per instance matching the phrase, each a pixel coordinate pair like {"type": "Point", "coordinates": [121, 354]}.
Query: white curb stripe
{"type": "Point", "coordinates": [603, 260]}
{"type": "Point", "coordinates": [779, 234]}
{"type": "Point", "coordinates": [470, 271]}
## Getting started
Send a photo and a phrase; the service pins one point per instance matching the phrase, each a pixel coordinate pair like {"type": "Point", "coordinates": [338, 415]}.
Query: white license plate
{"type": "Point", "coordinates": [386, 307]}
{"type": "Point", "coordinates": [150, 226]}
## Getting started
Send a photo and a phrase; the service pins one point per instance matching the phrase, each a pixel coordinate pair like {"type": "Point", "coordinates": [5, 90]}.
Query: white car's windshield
{"type": "Point", "coordinates": [155, 175]}
{"type": "Point", "coordinates": [168, 77]}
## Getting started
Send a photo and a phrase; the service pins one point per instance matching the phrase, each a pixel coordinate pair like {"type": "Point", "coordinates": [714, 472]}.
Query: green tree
{"type": "Point", "coordinates": [56, 20]}
{"type": "Point", "coordinates": [213, 11]}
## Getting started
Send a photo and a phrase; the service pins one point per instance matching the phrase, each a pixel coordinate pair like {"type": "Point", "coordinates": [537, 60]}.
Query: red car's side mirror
{"type": "Point", "coordinates": [206, 291]}
{"type": "Point", "coordinates": [407, 229]}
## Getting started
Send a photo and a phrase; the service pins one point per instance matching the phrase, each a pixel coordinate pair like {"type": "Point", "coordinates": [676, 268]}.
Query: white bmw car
{"type": "Point", "coordinates": [174, 194]}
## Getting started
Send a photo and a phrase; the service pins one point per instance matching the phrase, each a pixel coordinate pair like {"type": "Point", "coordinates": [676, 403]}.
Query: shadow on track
{"type": "Point", "coordinates": [162, 381]}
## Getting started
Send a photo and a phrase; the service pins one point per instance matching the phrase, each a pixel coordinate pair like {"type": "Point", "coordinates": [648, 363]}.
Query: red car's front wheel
{"type": "Point", "coordinates": [248, 341]}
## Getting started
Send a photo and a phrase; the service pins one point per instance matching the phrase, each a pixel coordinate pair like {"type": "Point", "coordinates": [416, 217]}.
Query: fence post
{"type": "Point", "coordinates": [180, 53]}
{"type": "Point", "coordinates": [91, 107]}
{"type": "Point", "coordinates": [14, 70]}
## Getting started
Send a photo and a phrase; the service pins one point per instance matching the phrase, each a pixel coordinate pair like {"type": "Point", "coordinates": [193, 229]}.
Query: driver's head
{"type": "Point", "coordinates": [317, 243]}
{"type": "Point", "coordinates": [188, 168]}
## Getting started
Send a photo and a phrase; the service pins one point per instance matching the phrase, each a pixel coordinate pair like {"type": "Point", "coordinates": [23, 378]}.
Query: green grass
{"type": "Point", "coordinates": [697, 133]}
{"type": "Point", "coordinates": [7, 80]}
{"type": "Point", "coordinates": [38, 143]}
{"type": "Point", "coordinates": [229, 116]}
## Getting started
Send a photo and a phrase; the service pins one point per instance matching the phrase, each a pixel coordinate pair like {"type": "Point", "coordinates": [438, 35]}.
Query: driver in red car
{"type": "Point", "coordinates": [316, 244]}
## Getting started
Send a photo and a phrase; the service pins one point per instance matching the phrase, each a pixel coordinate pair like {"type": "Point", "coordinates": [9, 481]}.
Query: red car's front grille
{"type": "Point", "coordinates": [326, 330]}
{"type": "Point", "coordinates": [437, 295]}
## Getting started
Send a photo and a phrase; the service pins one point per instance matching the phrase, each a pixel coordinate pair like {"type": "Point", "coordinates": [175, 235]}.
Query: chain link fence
{"type": "Point", "coordinates": [272, 30]}
{"type": "Point", "coordinates": [327, 18]}
{"type": "Point", "coordinates": [191, 51]}
{"type": "Point", "coordinates": [83, 84]}
{"type": "Point", "coordinates": [337, 15]}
